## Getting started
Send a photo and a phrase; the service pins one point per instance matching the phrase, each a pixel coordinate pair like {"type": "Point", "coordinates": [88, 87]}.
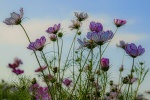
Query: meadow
{"type": "Point", "coordinates": [81, 73]}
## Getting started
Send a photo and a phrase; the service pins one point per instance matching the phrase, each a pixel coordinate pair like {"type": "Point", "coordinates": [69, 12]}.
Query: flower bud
{"type": "Point", "coordinates": [79, 33]}
{"type": "Point", "coordinates": [121, 68]}
{"type": "Point", "coordinates": [104, 64]}
{"type": "Point", "coordinates": [60, 34]}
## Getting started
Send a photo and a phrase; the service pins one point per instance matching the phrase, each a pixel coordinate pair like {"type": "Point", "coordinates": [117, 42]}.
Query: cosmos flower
{"type": "Point", "coordinates": [119, 22]}
{"type": "Point", "coordinates": [53, 37]}
{"type": "Point", "coordinates": [75, 24]}
{"type": "Point", "coordinates": [54, 29]}
{"type": "Point", "coordinates": [16, 63]}
{"type": "Point", "coordinates": [122, 44]}
{"type": "Point", "coordinates": [101, 37]}
{"type": "Point", "coordinates": [81, 16]}
{"type": "Point", "coordinates": [67, 82]}
{"type": "Point", "coordinates": [41, 69]}
{"type": "Point", "coordinates": [40, 93]}
{"type": "Point", "coordinates": [134, 51]}
{"type": "Point", "coordinates": [15, 18]}
{"type": "Point", "coordinates": [86, 43]}
{"type": "Point", "coordinates": [96, 27]}
{"type": "Point", "coordinates": [38, 44]}
{"type": "Point", "coordinates": [18, 71]}
{"type": "Point", "coordinates": [104, 64]}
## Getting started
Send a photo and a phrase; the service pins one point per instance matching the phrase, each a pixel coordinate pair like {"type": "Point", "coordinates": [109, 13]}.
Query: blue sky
{"type": "Point", "coordinates": [42, 14]}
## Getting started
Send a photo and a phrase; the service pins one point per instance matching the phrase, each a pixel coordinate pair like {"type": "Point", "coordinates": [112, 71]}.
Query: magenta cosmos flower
{"type": "Point", "coordinates": [96, 27]}
{"type": "Point", "coordinates": [18, 71]}
{"type": "Point", "coordinates": [81, 16]}
{"type": "Point", "coordinates": [41, 69]}
{"type": "Point", "coordinates": [15, 18]}
{"type": "Point", "coordinates": [38, 44]}
{"type": "Point", "coordinates": [67, 82]}
{"type": "Point", "coordinates": [54, 29]}
{"type": "Point", "coordinates": [104, 64]}
{"type": "Point", "coordinates": [119, 22]}
{"type": "Point", "coordinates": [101, 37]}
{"type": "Point", "coordinates": [134, 51]}
{"type": "Point", "coordinates": [86, 43]}
{"type": "Point", "coordinates": [16, 63]}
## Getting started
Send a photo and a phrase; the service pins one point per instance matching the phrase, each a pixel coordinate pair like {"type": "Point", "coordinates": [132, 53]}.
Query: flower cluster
{"type": "Point", "coordinates": [14, 66]}
{"type": "Point", "coordinates": [39, 92]}
{"type": "Point", "coordinates": [89, 75]}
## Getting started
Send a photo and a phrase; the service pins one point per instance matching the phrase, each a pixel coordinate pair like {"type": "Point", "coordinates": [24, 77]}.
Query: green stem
{"type": "Point", "coordinates": [69, 54]}
{"type": "Point", "coordinates": [45, 60]}
{"type": "Point", "coordinates": [37, 59]}
{"type": "Point", "coordinates": [130, 77]}
{"type": "Point", "coordinates": [79, 76]}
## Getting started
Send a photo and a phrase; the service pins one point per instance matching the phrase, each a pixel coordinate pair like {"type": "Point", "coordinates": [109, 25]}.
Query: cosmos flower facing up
{"type": "Point", "coordinates": [122, 44]}
{"type": "Point", "coordinates": [53, 37]}
{"type": "Point", "coordinates": [15, 18]}
{"type": "Point", "coordinates": [67, 82]}
{"type": "Point", "coordinates": [18, 71]}
{"type": "Point", "coordinates": [81, 16]}
{"type": "Point", "coordinates": [101, 37]}
{"type": "Point", "coordinates": [86, 43]}
{"type": "Point", "coordinates": [134, 51]}
{"type": "Point", "coordinates": [96, 27]}
{"type": "Point", "coordinates": [75, 24]}
{"type": "Point", "coordinates": [119, 22]}
{"type": "Point", "coordinates": [38, 44]}
{"type": "Point", "coordinates": [54, 29]}
{"type": "Point", "coordinates": [104, 64]}
{"type": "Point", "coordinates": [41, 69]}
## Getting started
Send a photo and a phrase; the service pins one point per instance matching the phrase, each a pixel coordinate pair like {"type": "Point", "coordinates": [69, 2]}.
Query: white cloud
{"type": "Point", "coordinates": [14, 35]}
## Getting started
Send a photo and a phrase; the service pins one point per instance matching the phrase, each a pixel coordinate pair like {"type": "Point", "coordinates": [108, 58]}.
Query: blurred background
{"type": "Point", "coordinates": [39, 15]}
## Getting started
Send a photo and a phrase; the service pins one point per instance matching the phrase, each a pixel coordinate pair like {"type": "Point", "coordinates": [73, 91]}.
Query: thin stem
{"type": "Point", "coordinates": [79, 76]}
{"type": "Point", "coordinates": [130, 77]}
{"type": "Point", "coordinates": [37, 59]}
{"type": "Point", "coordinates": [45, 60]}
{"type": "Point", "coordinates": [69, 54]}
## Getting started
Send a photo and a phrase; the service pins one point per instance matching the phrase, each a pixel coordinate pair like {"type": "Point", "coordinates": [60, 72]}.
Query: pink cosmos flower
{"type": "Point", "coordinates": [16, 63]}
{"type": "Point", "coordinates": [18, 71]}
{"type": "Point", "coordinates": [81, 16]}
{"type": "Point", "coordinates": [119, 22]}
{"type": "Point", "coordinates": [40, 69]}
{"type": "Point", "coordinates": [40, 93]}
{"type": "Point", "coordinates": [67, 82]}
{"type": "Point", "coordinates": [133, 80]}
{"type": "Point", "coordinates": [104, 64]}
{"type": "Point", "coordinates": [101, 37]}
{"type": "Point", "coordinates": [53, 37]}
{"type": "Point", "coordinates": [15, 18]}
{"type": "Point", "coordinates": [134, 51]}
{"type": "Point", "coordinates": [75, 24]}
{"type": "Point", "coordinates": [38, 44]}
{"type": "Point", "coordinates": [122, 44]}
{"type": "Point", "coordinates": [96, 27]}
{"type": "Point", "coordinates": [54, 29]}
{"type": "Point", "coordinates": [86, 43]}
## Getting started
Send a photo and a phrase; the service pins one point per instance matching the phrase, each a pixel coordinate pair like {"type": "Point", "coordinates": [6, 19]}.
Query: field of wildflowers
{"type": "Point", "coordinates": [90, 76]}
